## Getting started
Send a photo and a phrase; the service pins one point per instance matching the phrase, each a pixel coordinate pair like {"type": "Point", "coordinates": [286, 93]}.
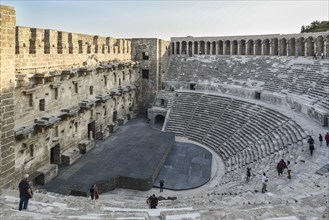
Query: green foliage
{"type": "Point", "coordinates": [315, 26]}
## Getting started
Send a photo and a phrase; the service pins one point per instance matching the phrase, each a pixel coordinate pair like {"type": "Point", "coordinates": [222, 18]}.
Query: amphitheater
{"type": "Point", "coordinates": [248, 100]}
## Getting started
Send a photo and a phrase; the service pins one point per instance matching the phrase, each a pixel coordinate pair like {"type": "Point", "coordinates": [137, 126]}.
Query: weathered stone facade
{"type": "Point", "coordinates": [152, 55]}
{"type": "Point", "coordinates": [59, 92]}
{"type": "Point", "coordinates": [7, 82]}
{"type": "Point", "coordinates": [305, 44]}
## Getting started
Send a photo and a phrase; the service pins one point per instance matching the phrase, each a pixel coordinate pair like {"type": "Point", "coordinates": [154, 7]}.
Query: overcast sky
{"type": "Point", "coordinates": [165, 19]}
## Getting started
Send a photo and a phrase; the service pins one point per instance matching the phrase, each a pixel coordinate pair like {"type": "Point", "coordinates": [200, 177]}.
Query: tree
{"type": "Point", "coordinates": [315, 26]}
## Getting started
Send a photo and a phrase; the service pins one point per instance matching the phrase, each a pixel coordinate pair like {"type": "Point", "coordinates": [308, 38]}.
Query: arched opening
{"type": "Point", "coordinates": [292, 47]}
{"type": "Point", "coordinates": [258, 47]}
{"type": "Point", "coordinates": [250, 47]}
{"type": "Point", "coordinates": [190, 48]}
{"type": "Point", "coordinates": [213, 48]}
{"type": "Point", "coordinates": [202, 47]}
{"type": "Point", "coordinates": [158, 121]}
{"type": "Point", "coordinates": [184, 49]}
{"type": "Point", "coordinates": [242, 47]}
{"type": "Point", "coordinates": [227, 46]}
{"type": "Point", "coordinates": [172, 48]}
{"type": "Point", "coordinates": [177, 47]}
{"type": "Point", "coordinates": [208, 48]}
{"type": "Point", "coordinates": [220, 47]}
{"type": "Point", "coordinates": [283, 44]}
{"type": "Point", "coordinates": [266, 47]}
{"type": "Point", "coordinates": [319, 45]}
{"type": "Point", "coordinates": [309, 46]}
{"type": "Point", "coordinates": [234, 47]}
{"type": "Point", "coordinates": [196, 48]}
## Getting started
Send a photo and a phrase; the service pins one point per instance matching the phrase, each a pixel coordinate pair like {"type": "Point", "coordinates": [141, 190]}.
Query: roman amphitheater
{"type": "Point", "coordinates": [80, 109]}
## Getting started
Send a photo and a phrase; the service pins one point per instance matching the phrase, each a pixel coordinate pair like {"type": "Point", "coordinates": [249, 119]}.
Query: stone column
{"type": "Point", "coordinates": [7, 80]}
{"type": "Point", "coordinates": [271, 47]}
{"type": "Point", "coordinates": [231, 48]}
{"type": "Point", "coordinates": [180, 48]}
{"type": "Point", "coordinates": [325, 47]}
{"type": "Point", "coordinates": [288, 47]}
{"type": "Point", "coordinates": [239, 47]}
{"type": "Point", "coordinates": [216, 47]}
{"type": "Point", "coordinates": [254, 49]}
{"type": "Point", "coordinates": [306, 48]}
{"type": "Point", "coordinates": [262, 49]}
{"type": "Point", "coordinates": [192, 47]}
{"type": "Point", "coordinates": [279, 47]}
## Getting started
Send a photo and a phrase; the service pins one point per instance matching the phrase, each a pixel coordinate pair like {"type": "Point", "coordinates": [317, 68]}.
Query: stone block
{"type": "Point", "coordinates": [70, 156]}
{"type": "Point", "coordinates": [86, 145]}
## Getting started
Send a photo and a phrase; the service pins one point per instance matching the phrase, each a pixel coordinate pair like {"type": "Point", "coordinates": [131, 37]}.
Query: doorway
{"type": "Point", "coordinates": [55, 155]}
{"type": "Point", "coordinates": [91, 127]}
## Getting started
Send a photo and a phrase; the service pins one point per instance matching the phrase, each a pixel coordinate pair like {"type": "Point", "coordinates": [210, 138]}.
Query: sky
{"type": "Point", "coordinates": [170, 18]}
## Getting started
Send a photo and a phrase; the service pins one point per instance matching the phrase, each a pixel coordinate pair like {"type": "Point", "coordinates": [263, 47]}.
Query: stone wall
{"type": "Point", "coordinates": [39, 50]}
{"type": "Point", "coordinates": [152, 55]}
{"type": "Point", "coordinates": [7, 79]}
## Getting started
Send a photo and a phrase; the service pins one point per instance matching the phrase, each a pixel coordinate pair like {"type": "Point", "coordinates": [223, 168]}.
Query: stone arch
{"type": "Point", "coordinates": [220, 47]}
{"type": "Point", "coordinates": [283, 45]}
{"type": "Point", "coordinates": [184, 47]}
{"type": "Point", "coordinates": [258, 47]}
{"type": "Point", "coordinates": [196, 47]}
{"type": "Point", "coordinates": [327, 46]}
{"type": "Point", "coordinates": [213, 48]}
{"type": "Point", "coordinates": [275, 46]}
{"type": "Point", "coordinates": [250, 47]}
{"type": "Point", "coordinates": [177, 47]}
{"type": "Point", "coordinates": [234, 47]}
{"type": "Point", "coordinates": [172, 48]}
{"type": "Point", "coordinates": [190, 48]}
{"type": "Point", "coordinates": [301, 46]}
{"type": "Point", "coordinates": [309, 46]}
{"type": "Point", "coordinates": [266, 47]}
{"type": "Point", "coordinates": [208, 48]}
{"type": "Point", "coordinates": [159, 118]}
{"type": "Point", "coordinates": [242, 47]}
{"type": "Point", "coordinates": [319, 45]}
{"type": "Point", "coordinates": [227, 46]}
{"type": "Point", "coordinates": [292, 47]}
{"type": "Point", "coordinates": [202, 47]}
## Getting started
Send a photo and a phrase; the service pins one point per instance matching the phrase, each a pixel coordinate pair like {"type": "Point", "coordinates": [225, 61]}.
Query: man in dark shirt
{"type": "Point", "coordinates": [24, 192]}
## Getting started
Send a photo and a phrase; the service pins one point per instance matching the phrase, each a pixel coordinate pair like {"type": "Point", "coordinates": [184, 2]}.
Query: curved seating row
{"type": "Point", "coordinates": [240, 132]}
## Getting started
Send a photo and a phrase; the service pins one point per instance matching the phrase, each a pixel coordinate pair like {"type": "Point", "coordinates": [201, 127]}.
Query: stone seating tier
{"type": "Point", "coordinates": [238, 131]}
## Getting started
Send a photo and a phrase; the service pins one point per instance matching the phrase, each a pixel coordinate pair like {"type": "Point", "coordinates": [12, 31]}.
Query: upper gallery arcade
{"type": "Point", "coordinates": [306, 44]}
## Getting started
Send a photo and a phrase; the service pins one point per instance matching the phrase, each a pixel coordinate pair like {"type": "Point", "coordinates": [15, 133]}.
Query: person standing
{"type": "Point", "coordinates": [94, 192]}
{"type": "Point", "coordinates": [161, 185]}
{"type": "Point", "coordinates": [327, 139]}
{"type": "Point", "coordinates": [289, 169]}
{"type": "Point", "coordinates": [248, 173]}
{"type": "Point", "coordinates": [320, 139]}
{"type": "Point", "coordinates": [281, 166]}
{"type": "Point", "coordinates": [264, 182]}
{"type": "Point", "coordinates": [25, 193]}
{"type": "Point", "coordinates": [310, 141]}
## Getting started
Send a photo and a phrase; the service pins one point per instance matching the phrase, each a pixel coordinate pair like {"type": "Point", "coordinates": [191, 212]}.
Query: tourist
{"type": "Point", "coordinates": [161, 185]}
{"type": "Point", "coordinates": [152, 201]}
{"type": "Point", "coordinates": [264, 181]}
{"type": "Point", "coordinates": [289, 169]}
{"type": "Point", "coordinates": [25, 193]}
{"type": "Point", "coordinates": [314, 56]}
{"type": "Point", "coordinates": [322, 55]}
{"type": "Point", "coordinates": [310, 141]}
{"type": "Point", "coordinates": [248, 173]}
{"type": "Point", "coordinates": [320, 139]}
{"type": "Point", "coordinates": [281, 166]}
{"type": "Point", "coordinates": [94, 192]}
{"type": "Point", "coordinates": [327, 139]}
